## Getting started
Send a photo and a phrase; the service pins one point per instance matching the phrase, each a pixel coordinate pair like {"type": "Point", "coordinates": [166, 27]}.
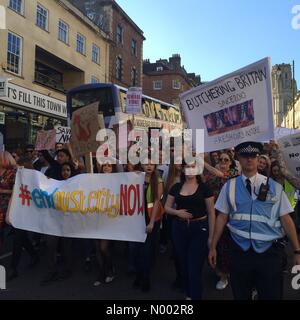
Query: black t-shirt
{"type": "Point", "coordinates": [194, 203]}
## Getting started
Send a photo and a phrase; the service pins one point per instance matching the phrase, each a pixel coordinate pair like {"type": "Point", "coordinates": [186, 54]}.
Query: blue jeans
{"type": "Point", "coordinates": [190, 241]}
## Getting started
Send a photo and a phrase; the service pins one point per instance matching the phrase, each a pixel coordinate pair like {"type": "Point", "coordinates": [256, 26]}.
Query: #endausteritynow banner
{"type": "Point", "coordinates": [232, 109]}
{"type": "Point", "coordinates": [92, 206]}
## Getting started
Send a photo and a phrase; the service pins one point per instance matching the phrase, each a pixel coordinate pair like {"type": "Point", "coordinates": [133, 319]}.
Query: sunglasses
{"type": "Point", "coordinates": [224, 159]}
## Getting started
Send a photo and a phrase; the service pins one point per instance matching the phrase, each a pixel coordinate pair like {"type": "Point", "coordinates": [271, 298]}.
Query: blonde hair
{"type": "Point", "coordinates": [7, 161]}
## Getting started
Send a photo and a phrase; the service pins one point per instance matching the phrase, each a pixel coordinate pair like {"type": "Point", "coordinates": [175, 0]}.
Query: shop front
{"type": "Point", "coordinates": [23, 112]}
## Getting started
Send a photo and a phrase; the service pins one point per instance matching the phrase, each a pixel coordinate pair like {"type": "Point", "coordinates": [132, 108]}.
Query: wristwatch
{"type": "Point", "coordinates": [297, 251]}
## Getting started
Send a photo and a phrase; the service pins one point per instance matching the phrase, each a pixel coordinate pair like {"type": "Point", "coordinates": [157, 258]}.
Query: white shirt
{"type": "Point", "coordinates": [222, 204]}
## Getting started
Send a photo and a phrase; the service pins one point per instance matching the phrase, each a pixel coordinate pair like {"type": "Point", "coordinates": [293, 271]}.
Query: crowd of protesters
{"type": "Point", "coordinates": [179, 213]}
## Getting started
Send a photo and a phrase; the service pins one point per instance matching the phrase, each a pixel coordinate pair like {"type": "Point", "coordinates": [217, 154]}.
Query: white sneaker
{"type": "Point", "coordinates": [97, 283]}
{"type": "Point", "coordinates": [109, 279]}
{"type": "Point", "coordinates": [222, 284]}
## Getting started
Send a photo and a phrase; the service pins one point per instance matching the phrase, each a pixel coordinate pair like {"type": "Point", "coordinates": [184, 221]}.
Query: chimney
{"type": "Point", "coordinates": [175, 61]}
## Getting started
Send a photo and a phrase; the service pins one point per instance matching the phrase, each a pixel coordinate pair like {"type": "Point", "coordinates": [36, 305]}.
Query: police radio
{"type": "Point", "coordinates": [263, 191]}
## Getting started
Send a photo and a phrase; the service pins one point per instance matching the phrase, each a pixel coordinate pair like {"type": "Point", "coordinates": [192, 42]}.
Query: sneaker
{"type": "Point", "coordinates": [254, 294]}
{"type": "Point", "coordinates": [109, 279]}
{"type": "Point", "coordinates": [97, 283]}
{"type": "Point", "coordinates": [188, 299]}
{"type": "Point", "coordinates": [222, 284]}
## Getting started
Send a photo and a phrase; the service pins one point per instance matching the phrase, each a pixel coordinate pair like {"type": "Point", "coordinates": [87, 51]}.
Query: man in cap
{"type": "Point", "coordinates": [256, 211]}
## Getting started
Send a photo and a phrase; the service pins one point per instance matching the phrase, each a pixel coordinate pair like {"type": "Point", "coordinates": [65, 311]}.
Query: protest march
{"type": "Point", "coordinates": [230, 199]}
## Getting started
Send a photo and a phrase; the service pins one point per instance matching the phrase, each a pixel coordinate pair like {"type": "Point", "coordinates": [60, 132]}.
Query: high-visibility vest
{"type": "Point", "coordinates": [150, 203]}
{"type": "Point", "coordinates": [290, 192]}
{"type": "Point", "coordinates": [254, 222]}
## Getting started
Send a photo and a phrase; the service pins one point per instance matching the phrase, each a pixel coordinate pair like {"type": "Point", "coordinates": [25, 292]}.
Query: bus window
{"type": "Point", "coordinates": [101, 95]}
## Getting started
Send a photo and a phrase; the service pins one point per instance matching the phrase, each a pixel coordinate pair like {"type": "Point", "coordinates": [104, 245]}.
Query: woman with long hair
{"type": "Point", "coordinates": [192, 227]}
{"type": "Point", "coordinates": [106, 267]}
{"type": "Point", "coordinates": [144, 252]}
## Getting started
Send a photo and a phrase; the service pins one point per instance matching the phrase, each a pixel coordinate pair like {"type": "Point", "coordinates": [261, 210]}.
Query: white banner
{"type": "Point", "coordinates": [290, 146]}
{"type": "Point", "coordinates": [232, 109]}
{"type": "Point", "coordinates": [134, 100]}
{"type": "Point", "coordinates": [92, 206]}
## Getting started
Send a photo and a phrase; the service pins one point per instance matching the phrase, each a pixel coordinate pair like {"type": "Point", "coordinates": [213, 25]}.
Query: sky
{"type": "Point", "coordinates": [220, 36]}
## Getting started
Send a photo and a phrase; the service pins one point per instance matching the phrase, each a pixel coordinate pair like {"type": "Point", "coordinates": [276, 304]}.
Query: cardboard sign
{"type": "Point", "coordinates": [45, 140]}
{"type": "Point", "coordinates": [84, 127]}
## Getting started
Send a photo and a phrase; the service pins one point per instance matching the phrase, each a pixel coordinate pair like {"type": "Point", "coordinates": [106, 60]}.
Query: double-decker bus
{"type": "Point", "coordinates": [112, 105]}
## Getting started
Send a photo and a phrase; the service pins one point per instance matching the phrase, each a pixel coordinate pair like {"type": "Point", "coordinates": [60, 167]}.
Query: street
{"type": "Point", "coordinates": [80, 285]}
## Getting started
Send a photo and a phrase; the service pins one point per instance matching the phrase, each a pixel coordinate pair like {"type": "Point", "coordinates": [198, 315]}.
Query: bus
{"type": "Point", "coordinates": [112, 105]}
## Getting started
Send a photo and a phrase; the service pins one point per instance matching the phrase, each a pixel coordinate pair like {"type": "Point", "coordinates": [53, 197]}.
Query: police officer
{"type": "Point", "coordinates": [256, 211]}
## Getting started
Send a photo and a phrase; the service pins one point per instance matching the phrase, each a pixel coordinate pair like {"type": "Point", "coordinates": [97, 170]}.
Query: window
{"type": "Point", "coordinates": [119, 68]}
{"type": "Point", "coordinates": [80, 43]}
{"type": "Point", "coordinates": [48, 76]}
{"type": "Point", "coordinates": [16, 5]}
{"type": "Point", "coordinates": [157, 85]}
{"type": "Point", "coordinates": [14, 53]}
{"type": "Point", "coordinates": [120, 32]}
{"type": "Point", "coordinates": [176, 84]}
{"type": "Point", "coordinates": [159, 68]}
{"type": "Point", "coordinates": [63, 32]}
{"type": "Point", "coordinates": [96, 54]}
{"type": "Point", "coordinates": [133, 47]}
{"type": "Point", "coordinates": [133, 77]}
{"type": "Point", "coordinates": [95, 80]}
{"type": "Point", "coordinates": [42, 17]}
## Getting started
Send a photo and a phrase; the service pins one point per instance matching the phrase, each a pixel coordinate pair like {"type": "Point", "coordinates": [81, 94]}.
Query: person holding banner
{"type": "Point", "coordinates": [144, 252]}
{"type": "Point", "coordinates": [106, 267]}
{"type": "Point", "coordinates": [257, 212]}
{"type": "Point", "coordinates": [7, 179]}
{"type": "Point", "coordinates": [192, 227]}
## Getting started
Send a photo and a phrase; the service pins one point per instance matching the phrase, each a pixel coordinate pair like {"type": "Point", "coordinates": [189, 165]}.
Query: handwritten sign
{"type": "Point", "coordinates": [45, 140]}
{"type": "Point", "coordinates": [63, 134]}
{"type": "Point", "coordinates": [84, 127]}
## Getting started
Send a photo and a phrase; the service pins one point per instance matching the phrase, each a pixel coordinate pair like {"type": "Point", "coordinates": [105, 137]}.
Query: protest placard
{"type": "Point", "coordinates": [232, 109]}
{"type": "Point", "coordinates": [134, 100]}
{"type": "Point", "coordinates": [63, 134]}
{"type": "Point", "coordinates": [45, 140]}
{"type": "Point", "coordinates": [290, 146]}
{"type": "Point", "coordinates": [84, 127]}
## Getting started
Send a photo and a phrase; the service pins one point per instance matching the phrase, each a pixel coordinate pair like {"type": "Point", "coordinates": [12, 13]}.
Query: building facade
{"type": "Point", "coordinates": [47, 47]}
{"type": "Point", "coordinates": [292, 118]}
{"type": "Point", "coordinates": [283, 87]}
{"type": "Point", "coordinates": [126, 45]}
{"type": "Point", "coordinates": [166, 79]}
